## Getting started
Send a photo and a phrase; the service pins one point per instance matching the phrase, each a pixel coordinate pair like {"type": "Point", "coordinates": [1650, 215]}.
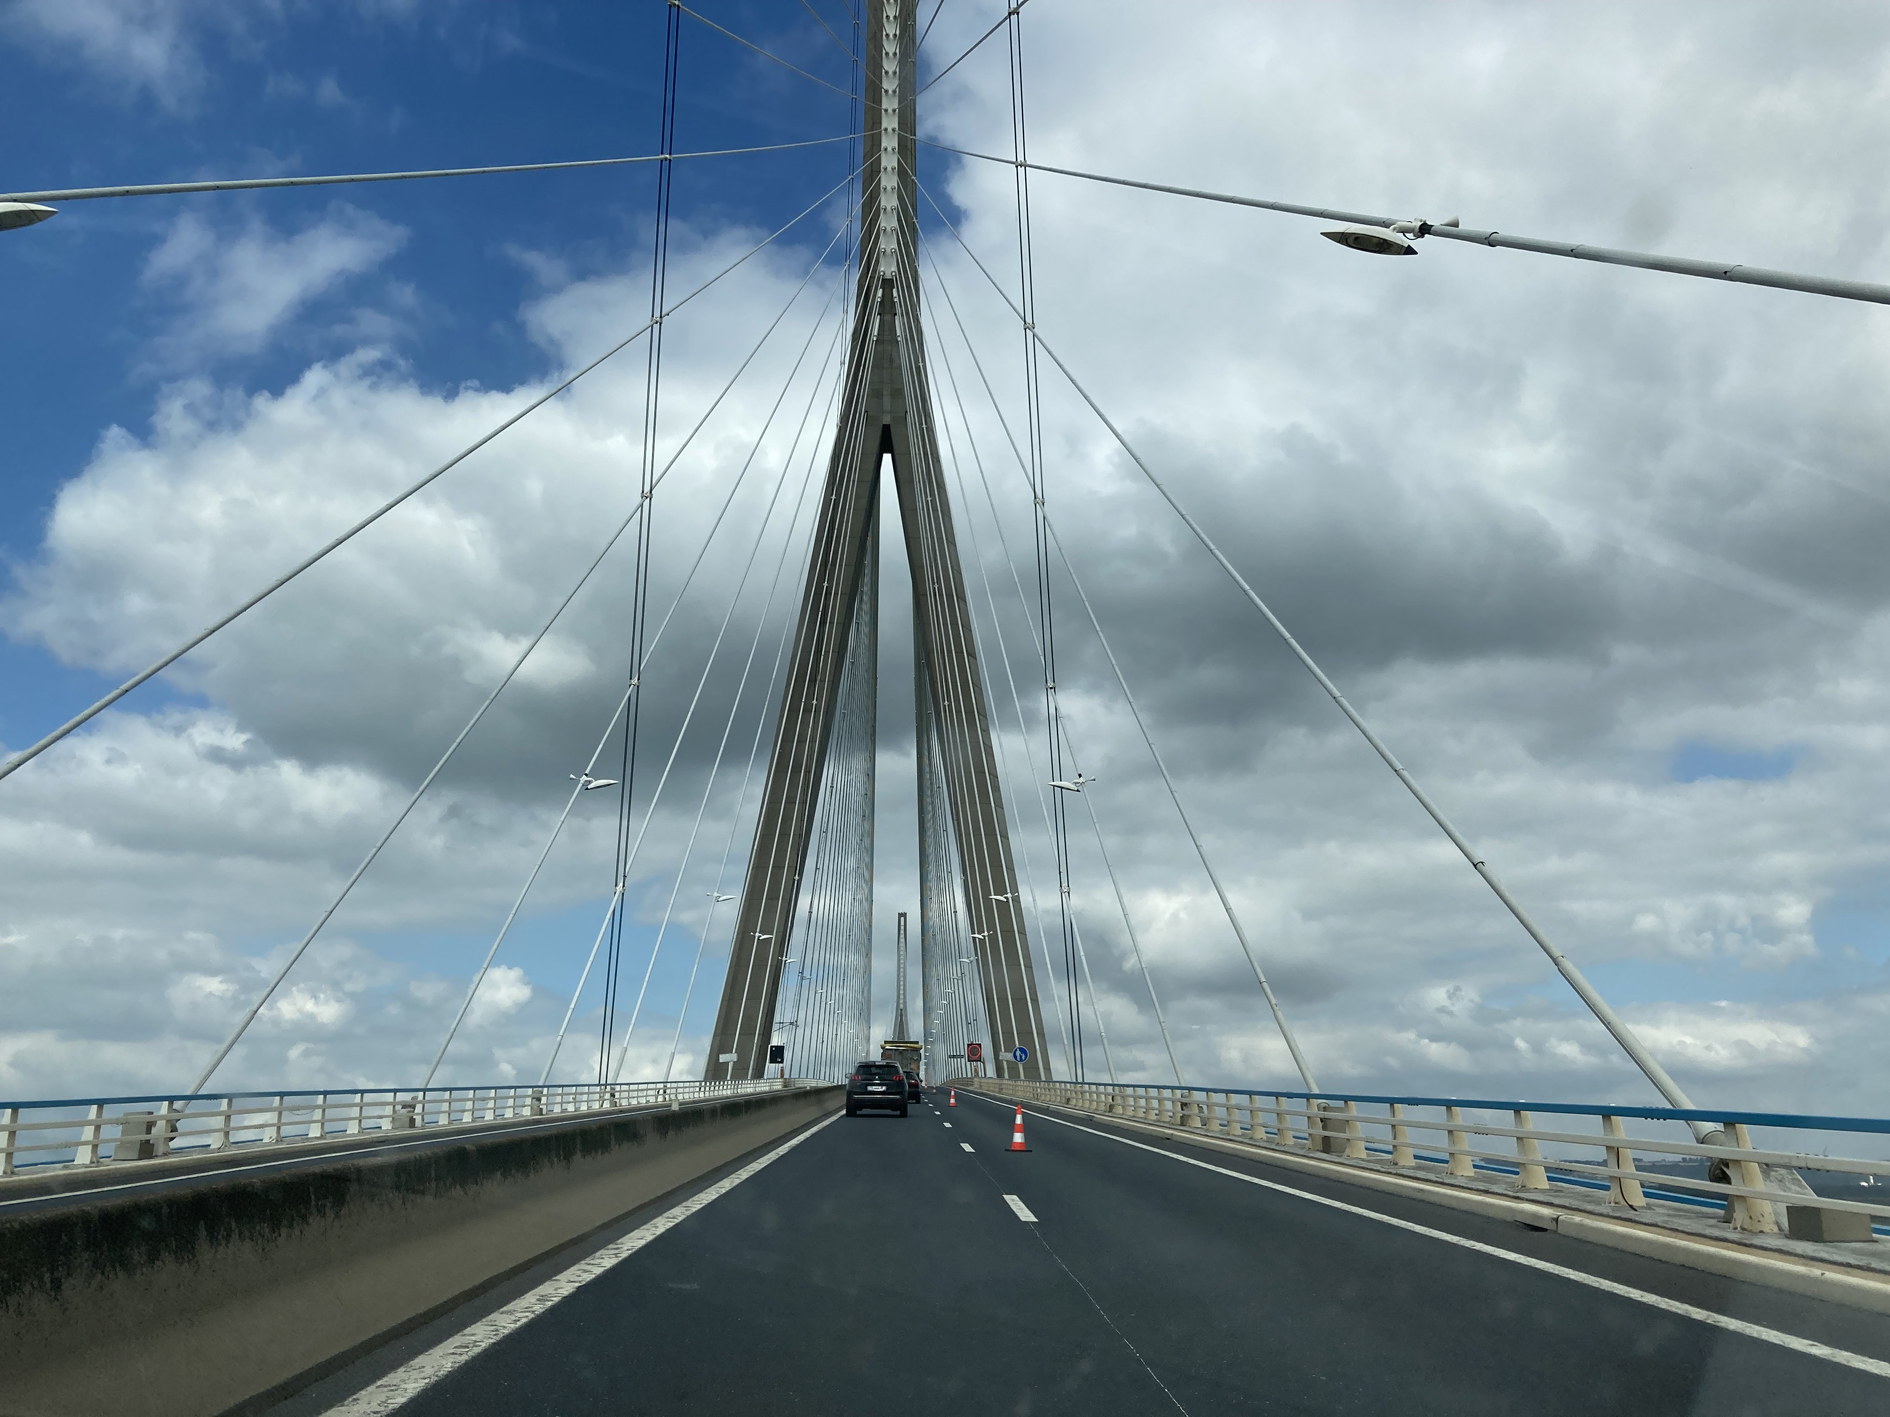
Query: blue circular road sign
{"type": "Point", "coordinates": [1020, 1054]}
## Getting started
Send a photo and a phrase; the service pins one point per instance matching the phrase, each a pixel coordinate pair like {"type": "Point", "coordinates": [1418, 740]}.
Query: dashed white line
{"type": "Point", "coordinates": [966, 1145]}
{"type": "Point", "coordinates": [407, 1381]}
{"type": "Point", "coordinates": [947, 1124]}
{"type": "Point", "coordinates": [1023, 1211]}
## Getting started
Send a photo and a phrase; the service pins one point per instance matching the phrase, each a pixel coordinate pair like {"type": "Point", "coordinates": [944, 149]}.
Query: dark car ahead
{"type": "Point", "coordinates": [915, 1089]}
{"type": "Point", "coordinates": [874, 1084]}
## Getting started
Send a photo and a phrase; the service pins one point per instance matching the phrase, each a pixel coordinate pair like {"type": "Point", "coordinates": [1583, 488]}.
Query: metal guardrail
{"type": "Point", "coordinates": [92, 1131]}
{"type": "Point", "coordinates": [1749, 1181]}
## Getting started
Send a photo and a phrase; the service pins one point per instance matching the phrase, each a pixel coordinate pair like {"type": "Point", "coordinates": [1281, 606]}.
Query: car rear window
{"type": "Point", "coordinates": [879, 1069]}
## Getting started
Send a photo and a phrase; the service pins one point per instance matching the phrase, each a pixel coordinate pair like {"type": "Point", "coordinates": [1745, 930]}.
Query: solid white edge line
{"type": "Point", "coordinates": [417, 1374]}
{"type": "Point", "coordinates": [1023, 1211]}
{"type": "Point", "coordinates": [1844, 1357]}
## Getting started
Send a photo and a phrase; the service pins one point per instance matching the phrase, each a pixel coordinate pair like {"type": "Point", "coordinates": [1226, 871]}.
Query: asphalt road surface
{"type": "Point", "coordinates": [916, 1266]}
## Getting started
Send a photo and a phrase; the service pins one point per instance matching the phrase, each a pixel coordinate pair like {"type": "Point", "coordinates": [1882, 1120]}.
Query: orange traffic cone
{"type": "Point", "coordinates": [954, 1101]}
{"type": "Point", "coordinates": [1017, 1131]}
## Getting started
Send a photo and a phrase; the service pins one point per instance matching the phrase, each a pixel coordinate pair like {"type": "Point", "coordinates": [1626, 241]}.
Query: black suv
{"type": "Point", "coordinates": [874, 1084]}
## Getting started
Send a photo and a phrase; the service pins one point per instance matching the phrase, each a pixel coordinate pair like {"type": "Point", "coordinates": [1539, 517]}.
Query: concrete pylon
{"type": "Point", "coordinates": [901, 1029]}
{"type": "Point", "coordinates": [885, 412]}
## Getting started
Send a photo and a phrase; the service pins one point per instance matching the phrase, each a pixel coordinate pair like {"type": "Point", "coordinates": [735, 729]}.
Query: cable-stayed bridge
{"type": "Point", "coordinates": [1196, 1243]}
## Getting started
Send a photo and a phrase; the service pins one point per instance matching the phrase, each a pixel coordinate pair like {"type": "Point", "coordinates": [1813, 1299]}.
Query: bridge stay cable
{"type": "Point", "coordinates": [1004, 757]}
{"type": "Point", "coordinates": [765, 54]}
{"type": "Point", "coordinates": [709, 665]}
{"type": "Point", "coordinates": [1616, 1026]}
{"type": "Point", "coordinates": [617, 895]}
{"type": "Point", "coordinates": [761, 624]}
{"type": "Point", "coordinates": [1227, 907]}
{"type": "Point", "coordinates": [623, 703]}
{"type": "Point", "coordinates": [839, 43]}
{"type": "Point", "coordinates": [479, 714]}
{"type": "Point", "coordinates": [1039, 478]}
{"type": "Point", "coordinates": [1010, 13]}
{"type": "Point", "coordinates": [1837, 287]}
{"type": "Point", "coordinates": [1038, 780]}
{"type": "Point", "coordinates": [21, 759]}
{"type": "Point", "coordinates": [640, 593]}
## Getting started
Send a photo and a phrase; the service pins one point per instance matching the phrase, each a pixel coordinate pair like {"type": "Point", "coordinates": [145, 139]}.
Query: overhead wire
{"type": "Point", "coordinates": [19, 760]}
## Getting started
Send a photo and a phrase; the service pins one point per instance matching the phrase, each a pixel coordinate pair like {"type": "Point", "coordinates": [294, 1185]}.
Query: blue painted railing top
{"type": "Point", "coordinates": [1808, 1122]}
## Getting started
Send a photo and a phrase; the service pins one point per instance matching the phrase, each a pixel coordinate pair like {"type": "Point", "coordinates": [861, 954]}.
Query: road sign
{"type": "Point", "coordinates": [777, 1052]}
{"type": "Point", "coordinates": [974, 1052]}
{"type": "Point", "coordinates": [1020, 1054]}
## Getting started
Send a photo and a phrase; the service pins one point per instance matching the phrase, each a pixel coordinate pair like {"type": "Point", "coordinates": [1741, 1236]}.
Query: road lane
{"type": "Point", "coordinates": [887, 1263]}
{"type": "Point", "coordinates": [872, 1268]}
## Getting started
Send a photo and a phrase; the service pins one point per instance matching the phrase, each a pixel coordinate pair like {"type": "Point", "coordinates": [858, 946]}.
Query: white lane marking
{"type": "Point", "coordinates": [1023, 1211]}
{"type": "Point", "coordinates": [1874, 1366]}
{"type": "Point", "coordinates": [407, 1381]}
{"type": "Point", "coordinates": [948, 1124]}
{"type": "Point", "coordinates": [966, 1145]}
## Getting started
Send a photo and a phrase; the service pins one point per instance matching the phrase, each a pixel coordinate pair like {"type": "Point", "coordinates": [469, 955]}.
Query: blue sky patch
{"type": "Point", "coordinates": [1695, 762]}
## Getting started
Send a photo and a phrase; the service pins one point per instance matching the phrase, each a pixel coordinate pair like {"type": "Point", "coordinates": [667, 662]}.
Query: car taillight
{"type": "Point", "coordinates": [854, 1078]}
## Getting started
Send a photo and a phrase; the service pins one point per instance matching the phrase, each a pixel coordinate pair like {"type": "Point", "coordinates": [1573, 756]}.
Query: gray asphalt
{"type": "Point", "coordinates": [877, 1268]}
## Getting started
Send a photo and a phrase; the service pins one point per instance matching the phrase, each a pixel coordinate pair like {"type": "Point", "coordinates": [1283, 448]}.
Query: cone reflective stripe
{"type": "Point", "coordinates": [954, 1101]}
{"type": "Point", "coordinates": [1017, 1131]}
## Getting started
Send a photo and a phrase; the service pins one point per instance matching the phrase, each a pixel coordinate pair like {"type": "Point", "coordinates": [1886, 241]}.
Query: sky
{"type": "Point", "coordinates": [1597, 551]}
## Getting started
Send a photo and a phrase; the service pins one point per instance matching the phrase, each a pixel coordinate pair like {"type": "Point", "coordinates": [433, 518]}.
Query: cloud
{"type": "Point", "coordinates": [232, 292]}
{"type": "Point", "coordinates": [1546, 525]}
{"type": "Point", "coordinates": [147, 46]}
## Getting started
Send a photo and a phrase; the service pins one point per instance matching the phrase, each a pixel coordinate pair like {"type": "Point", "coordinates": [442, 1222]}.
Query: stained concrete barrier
{"type": "Point", "coordinates": [211, 1297]}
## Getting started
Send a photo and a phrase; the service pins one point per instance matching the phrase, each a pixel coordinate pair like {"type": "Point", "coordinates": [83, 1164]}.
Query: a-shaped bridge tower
{"type": "Point", "coordinates": [886, 411]}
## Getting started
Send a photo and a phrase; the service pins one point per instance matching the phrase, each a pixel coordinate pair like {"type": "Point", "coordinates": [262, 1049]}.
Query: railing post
{"type": "Point", "coordinates": [87, 1154]}
{"type": "Point", "coordinates": [318, 1124]}
{"type": "Point", "coordinates": [1354, 1136]}
{"type": "Point", "coordinates": [1752, 1214]}
{"type": "Point", "coordinates": [1622, 1190]}
{"type": "Point", "coordinates": [9, 1129]}
{"type": "Point", "coordinates": [358, 1117]}
{"type": "Point", "coordinates": [166, 1127]}
{"type": "Point", "coordinates": [1400, 1138]}
{"type": "Point", "coordinates": [273, 1130]}
{"type": "Point", "coordinates": [1458, 1143]}
{"type": "Point", "coordinates": [1530, 1175]}
{"type": "Point", "coordinates": [1282, 1123]}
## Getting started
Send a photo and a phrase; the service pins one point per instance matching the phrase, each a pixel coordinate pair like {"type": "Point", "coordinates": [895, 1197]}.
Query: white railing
{"type": "Point", "coordinates": [92, 1131]}
{"type": "Point", "coordinates": [1477, 1141]}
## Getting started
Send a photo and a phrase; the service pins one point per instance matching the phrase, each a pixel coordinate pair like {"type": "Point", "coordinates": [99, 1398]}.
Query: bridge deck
{"type": "Point", "coordinates": [878, 1266]}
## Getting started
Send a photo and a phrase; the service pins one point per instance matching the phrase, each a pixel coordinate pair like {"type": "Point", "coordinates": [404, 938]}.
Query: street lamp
{"type": "Point", "coordinates": [1393, 240]}
{"type": "Point", "coordinates": [14, 215]}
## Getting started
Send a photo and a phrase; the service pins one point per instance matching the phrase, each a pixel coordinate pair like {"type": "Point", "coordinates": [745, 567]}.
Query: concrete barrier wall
{"type": "Point", "coordinates": [198, 1300]}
